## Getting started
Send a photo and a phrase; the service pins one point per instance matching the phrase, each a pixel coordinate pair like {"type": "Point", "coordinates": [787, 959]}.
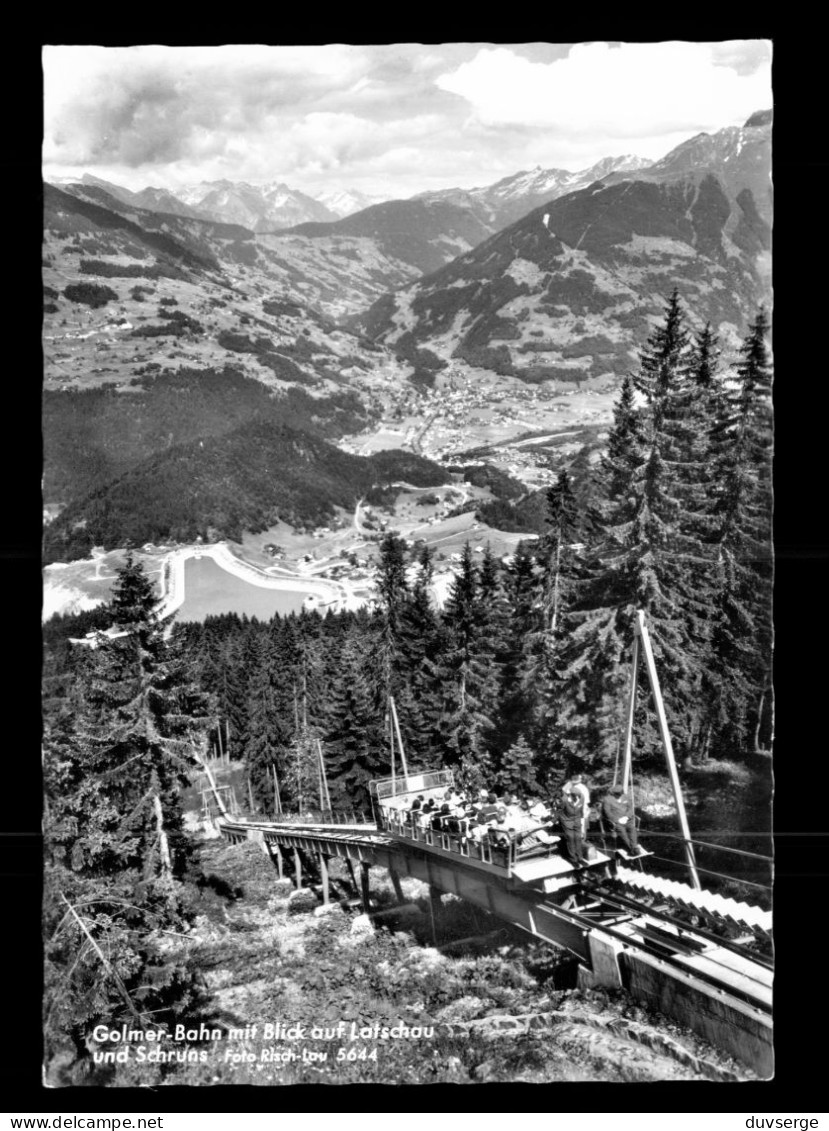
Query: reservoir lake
{"type": "Point", "coordinates": [210, 590]}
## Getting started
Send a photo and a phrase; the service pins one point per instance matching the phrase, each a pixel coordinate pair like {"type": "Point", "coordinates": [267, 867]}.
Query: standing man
{"type": "Point", "coordinates": [570, 817]}
{"type": "Point", "coordinates": [618, 811]}
{"type": "Point", "coordinates": [577, 785]}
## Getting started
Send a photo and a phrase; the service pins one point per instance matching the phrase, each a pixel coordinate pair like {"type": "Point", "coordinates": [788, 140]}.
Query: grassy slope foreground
{"type": "Point", "coordinates": [502, 1007]}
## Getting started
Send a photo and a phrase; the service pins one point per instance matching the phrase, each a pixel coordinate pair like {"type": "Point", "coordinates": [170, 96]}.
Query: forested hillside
{"type": "Point", "coordinates": [94, 435]}
{"type": "Point", "coordinates": [248, 478]}
{"type": "Point", "coordinates": [525, 670]}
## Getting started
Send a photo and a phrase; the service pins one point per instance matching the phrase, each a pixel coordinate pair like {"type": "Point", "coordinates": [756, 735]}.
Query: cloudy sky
{"type": "Point", "coordinates": [387, 120]}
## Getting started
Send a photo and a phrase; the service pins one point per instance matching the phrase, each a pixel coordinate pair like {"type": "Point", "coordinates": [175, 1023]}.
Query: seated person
{"type": "Point", "coordinates": [500, 835]}
{"type": "Point", "coordinates": [538, 810]}
{"type": "Point", "coordinates": [521, 818]}
{"type": "Point", "coordinates": [617, 810]}
{"type": "Point", "coordinates": [478, 830]}
{"type": "Point", "coordinates": [439, 818]}
{"type": "Point", "coordinates": [417, 803]}
{"type": "Point", "coordinates": [452, 824]}
{"type": "Point", "coordinates": [489, 811]}
{"type": "Point", "coordinates": [462, 827]}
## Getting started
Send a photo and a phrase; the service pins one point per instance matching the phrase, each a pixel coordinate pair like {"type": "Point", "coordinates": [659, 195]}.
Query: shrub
{"type": "Point", "coordinates": [276, 307]}
{"type": "Point", "coordinates": [237, 343]}
{"type": "Point", "coordinates": [119, 271]}
{"type": "Point", "coordinates": [90, 294]}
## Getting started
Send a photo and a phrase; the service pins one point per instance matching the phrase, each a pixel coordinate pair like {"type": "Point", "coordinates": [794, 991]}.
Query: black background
{"type": "Point", "coordinates": [801, 174]}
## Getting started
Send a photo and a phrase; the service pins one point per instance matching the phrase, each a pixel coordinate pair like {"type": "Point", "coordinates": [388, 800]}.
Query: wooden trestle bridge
{"type": "Point", "coordinates": [629, 929]}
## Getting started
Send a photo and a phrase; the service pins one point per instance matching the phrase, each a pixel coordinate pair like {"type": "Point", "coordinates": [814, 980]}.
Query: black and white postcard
{"type": "Point", "coordinates": [407, 697]}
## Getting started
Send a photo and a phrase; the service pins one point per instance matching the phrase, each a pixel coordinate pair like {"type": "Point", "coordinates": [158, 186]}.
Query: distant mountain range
{"type": "Point", "coordinates": [151, 199]}
{"type": "Point", "coordinates": [167, 287]}
{"type": "Point", "coordinates": [571, 290]}
{"type": "Point", "coordinates": [209, 352]}
{"type": "Point", "coordinates": [261, 208]}
{"type": "Point", "coordinates": [275, 206]}
{"type": "Point", "coordinates": [422, 233]}
{"type": "Point", "coordinates": [507, 200]}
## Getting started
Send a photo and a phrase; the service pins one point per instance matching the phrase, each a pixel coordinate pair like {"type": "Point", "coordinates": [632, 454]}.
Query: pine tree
{"type": "Point", "coordinates": [267, 736]}
{"type": "Point", "coordinates": [652, 555]}
{"type": "Point", "coordinates": [518, 769]}
{"type": "Point", "coordinates": [421, 644]}
{"type": "Point", "coordinates": [392, 587]}
{"type": "Point", "coordinates": [146, 719]}
{"type": "Point", "coordinates": [355, 752]}
{"type": "Point", "coordinates": [116, 756]}
{"type": "Point", "coordinates": [563, 522]}
{"type": "Point", "coordinates": [738, 686]}
{"type": "Point", "coordinates": [468, 678]}
{"type": "Point", "coordinates": [517, 693]}
{"type": "Point", "coordinates": [625, 443]}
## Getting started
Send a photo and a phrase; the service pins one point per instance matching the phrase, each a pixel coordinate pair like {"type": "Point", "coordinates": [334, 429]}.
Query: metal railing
{"type": "Point", "coordinates": [316, 817]}
{"type": "Point", "coordinates": [412, 783]}
{"type": "Point", "coordinates": [502, 856]}
{"type": "Point", "coordinates": [765, 862]}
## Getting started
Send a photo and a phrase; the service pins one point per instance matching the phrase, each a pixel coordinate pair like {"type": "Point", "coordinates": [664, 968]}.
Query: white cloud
{"type": "Point", "coordinates": [392, 120]}
{"type": "Point", "coordinates": [630, 90]}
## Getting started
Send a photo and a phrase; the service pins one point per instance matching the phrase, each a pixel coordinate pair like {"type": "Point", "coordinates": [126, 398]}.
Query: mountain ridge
{"type": "Point", "coordinates": [571, 290]}
{"type": "Point", "coordinates": [246, 478]}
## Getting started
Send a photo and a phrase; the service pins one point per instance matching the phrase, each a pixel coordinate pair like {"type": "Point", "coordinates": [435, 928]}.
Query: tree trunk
{"type": "Point", "coordinates": [163, 843]}
{"type": "Point", "coordinates": [554, 617]}
{"type": "Point", "coordinates": [767, 688]}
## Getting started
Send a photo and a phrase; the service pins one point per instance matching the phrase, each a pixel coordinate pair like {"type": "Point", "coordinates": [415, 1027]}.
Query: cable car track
{"type": "Point", "coordinates": [684, 939]}
{"type": "Point", "coordinates": [614, 898]}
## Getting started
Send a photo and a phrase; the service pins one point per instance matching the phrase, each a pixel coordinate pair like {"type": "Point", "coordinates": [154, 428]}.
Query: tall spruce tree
{"type": "Point", "coordinates": [518, 686]}
{"type": "Point", "coordinates": [115, 761]}
{"type": "Point", "coordinates": [651, 556]}
{"type": "Point", "coordinates": [354, 746]}
{"type": "Point", "coordinates": [146, 718]}
{"type": "Point", "coordinates": [739, 684]}
{"type": "Point", "coordinates": [468, 678]}
{"type": "Point", "coordinates": [421, 643]}
{"type": "Point", "coordinates": [267, 734]}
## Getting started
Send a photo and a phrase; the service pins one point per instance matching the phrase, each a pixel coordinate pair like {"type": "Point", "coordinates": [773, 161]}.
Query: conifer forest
{"type": "Point", "coordinates": [519, 680]}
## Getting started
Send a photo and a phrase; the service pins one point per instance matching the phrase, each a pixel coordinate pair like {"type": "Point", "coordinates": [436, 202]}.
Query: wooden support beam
{"type": "Point", "coordinates": [298, 868]}
{"type": "Point", "coordinates": [656, 691]}
{"type": "Point", "coordinates": [364, 887]}
{"type": "Point", "coordinates": [395, 880]}
{"type": "Point", "coordinates": [399, 742]}
{"type": "Point", "coordinates": [280, 870]}
{"type": "Point", "coordinates": [628, 748]}
{"type": "Point", "coordinates": [434, 907]}
{"type": "Point", "coordinates": [350, 867]}
{"type": "Point", "coordinates": [324, 877]}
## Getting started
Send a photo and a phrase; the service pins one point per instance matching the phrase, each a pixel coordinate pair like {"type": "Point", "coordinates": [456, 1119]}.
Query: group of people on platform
{"type": "Point", "coordinates": [510, 819]}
